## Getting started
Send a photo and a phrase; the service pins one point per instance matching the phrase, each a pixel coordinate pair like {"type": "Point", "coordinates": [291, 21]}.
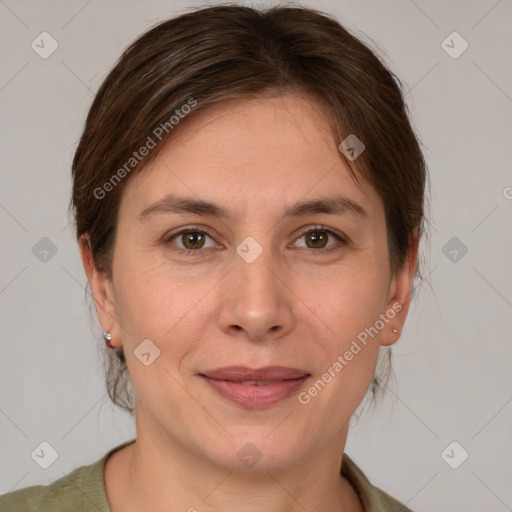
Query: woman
{"type": "Point", "coordinates": [248, 194]}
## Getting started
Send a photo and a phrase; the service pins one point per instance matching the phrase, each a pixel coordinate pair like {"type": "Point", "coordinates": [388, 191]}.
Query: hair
{"type": "Point", "coordinates": [228, 52]}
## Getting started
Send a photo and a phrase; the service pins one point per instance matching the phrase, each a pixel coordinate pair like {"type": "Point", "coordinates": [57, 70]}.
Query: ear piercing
{"type": "Point", "coordinates": [108, 338]}
{"type": "Point", "coordinates": [395, 331]}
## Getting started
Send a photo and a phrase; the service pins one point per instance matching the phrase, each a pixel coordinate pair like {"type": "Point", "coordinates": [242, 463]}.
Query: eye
{"type": "Point", "coordinates": [190, 240]}
{"type": "Point", "coordinates": [320, 237]}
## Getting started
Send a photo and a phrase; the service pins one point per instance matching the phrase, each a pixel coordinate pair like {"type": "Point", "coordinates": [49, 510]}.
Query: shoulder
{"type": "Point", "coordinates": [80, 491]}
{"type": "Point", "coordinates": [372, 498]}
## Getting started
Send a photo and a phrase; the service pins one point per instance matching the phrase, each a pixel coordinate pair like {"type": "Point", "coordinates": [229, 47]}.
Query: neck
{"type": "Point", "coordinates": [160, 474]}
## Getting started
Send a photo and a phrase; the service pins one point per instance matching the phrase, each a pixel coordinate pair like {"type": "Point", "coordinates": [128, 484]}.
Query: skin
{"type": "Point", "coordinates": [296, 305]}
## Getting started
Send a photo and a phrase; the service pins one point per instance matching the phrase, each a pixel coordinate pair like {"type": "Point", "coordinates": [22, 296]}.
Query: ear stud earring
{"type": "Point", "coordinates": [108, 338]}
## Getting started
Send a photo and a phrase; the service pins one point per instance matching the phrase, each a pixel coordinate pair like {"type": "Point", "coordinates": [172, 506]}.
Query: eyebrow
{"type": "Point", "coordinates": [333, 205]}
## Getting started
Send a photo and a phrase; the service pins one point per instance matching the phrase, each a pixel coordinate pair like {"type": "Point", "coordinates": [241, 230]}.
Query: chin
{"type": "Point", "coordinates": [259, 449]}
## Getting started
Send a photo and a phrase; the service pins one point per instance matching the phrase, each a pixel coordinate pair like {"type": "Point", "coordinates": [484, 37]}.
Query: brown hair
{"type": "Point", "coordinates": [226, 52]}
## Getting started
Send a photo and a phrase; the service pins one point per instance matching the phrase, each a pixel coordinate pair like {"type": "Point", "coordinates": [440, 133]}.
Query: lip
{"type": "Point", "coordinates": [227, 382]}
{"type": "Point", "coordinates": [241, 373]}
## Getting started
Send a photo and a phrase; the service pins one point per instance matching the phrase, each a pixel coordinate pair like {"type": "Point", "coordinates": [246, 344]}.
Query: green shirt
{"type": "Point", "coordinates": [83, 490]}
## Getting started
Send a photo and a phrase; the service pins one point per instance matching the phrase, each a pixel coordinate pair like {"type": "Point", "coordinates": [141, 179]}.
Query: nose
{"type": "Point", "coordinates": [257, 305]}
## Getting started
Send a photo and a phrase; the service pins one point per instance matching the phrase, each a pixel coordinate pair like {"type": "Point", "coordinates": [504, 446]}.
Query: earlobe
{"type": "Point", "coordinates": [101, 288]}
{"type": "Point", "coordinates": [400, 299]}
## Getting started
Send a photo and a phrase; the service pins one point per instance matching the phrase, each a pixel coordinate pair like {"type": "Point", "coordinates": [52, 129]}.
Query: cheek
{"type": "Point", "coordinates": [157, 302]}
{"type": "Point", "coordinates": [143, 302]}
{"type": "Point", "coordinates": [349, 307]}
{"type": "Point", "coordinates": [152, 307]}
{"type": "Point", "coordinates": [351, 299]}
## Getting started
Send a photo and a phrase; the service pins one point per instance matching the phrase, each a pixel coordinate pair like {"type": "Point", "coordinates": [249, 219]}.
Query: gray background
{"type": "Point", "coordinates": [452, 364]}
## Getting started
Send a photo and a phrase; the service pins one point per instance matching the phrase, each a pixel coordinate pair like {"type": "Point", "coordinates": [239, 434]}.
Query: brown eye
{"type": "Point", "coordinates": [191, 240]}
{"type": "Point", "coordinates": [320, 238]}
{"type": "Point", "coordinates": [317, 239]}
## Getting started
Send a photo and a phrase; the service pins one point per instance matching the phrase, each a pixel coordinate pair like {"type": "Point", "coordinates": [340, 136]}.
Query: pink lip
{"type": "Point", "coordinates": [238, 373]}
{"type": "Point", "coordinates": [227, 382]}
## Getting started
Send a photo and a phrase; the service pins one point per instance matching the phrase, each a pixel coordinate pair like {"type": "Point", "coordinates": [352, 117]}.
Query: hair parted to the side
{"type": "Point", "coordinates": [230, 52]}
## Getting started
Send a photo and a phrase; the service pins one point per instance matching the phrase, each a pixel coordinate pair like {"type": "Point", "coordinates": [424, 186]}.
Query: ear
{"type": "Point", "coordinates": [399, 297]}
{"type": "Point", "coordinates": [103, 292]}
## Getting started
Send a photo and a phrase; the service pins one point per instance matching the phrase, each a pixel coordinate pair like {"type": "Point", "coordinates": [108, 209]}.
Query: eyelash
{"type": "Point", "coordinates": [196, 252]}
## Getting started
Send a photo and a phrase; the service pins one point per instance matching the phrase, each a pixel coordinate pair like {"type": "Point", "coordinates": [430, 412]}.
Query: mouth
{"type": "Point", "coordinates": [255, 388]}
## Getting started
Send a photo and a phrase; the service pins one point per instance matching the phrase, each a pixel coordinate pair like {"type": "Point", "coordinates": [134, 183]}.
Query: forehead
{"type": "Point", "coordinates": [275, 149]}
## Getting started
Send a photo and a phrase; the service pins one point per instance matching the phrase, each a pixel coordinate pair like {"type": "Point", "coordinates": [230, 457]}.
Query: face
{"type": "Point", "coordinates": [287, 265]}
